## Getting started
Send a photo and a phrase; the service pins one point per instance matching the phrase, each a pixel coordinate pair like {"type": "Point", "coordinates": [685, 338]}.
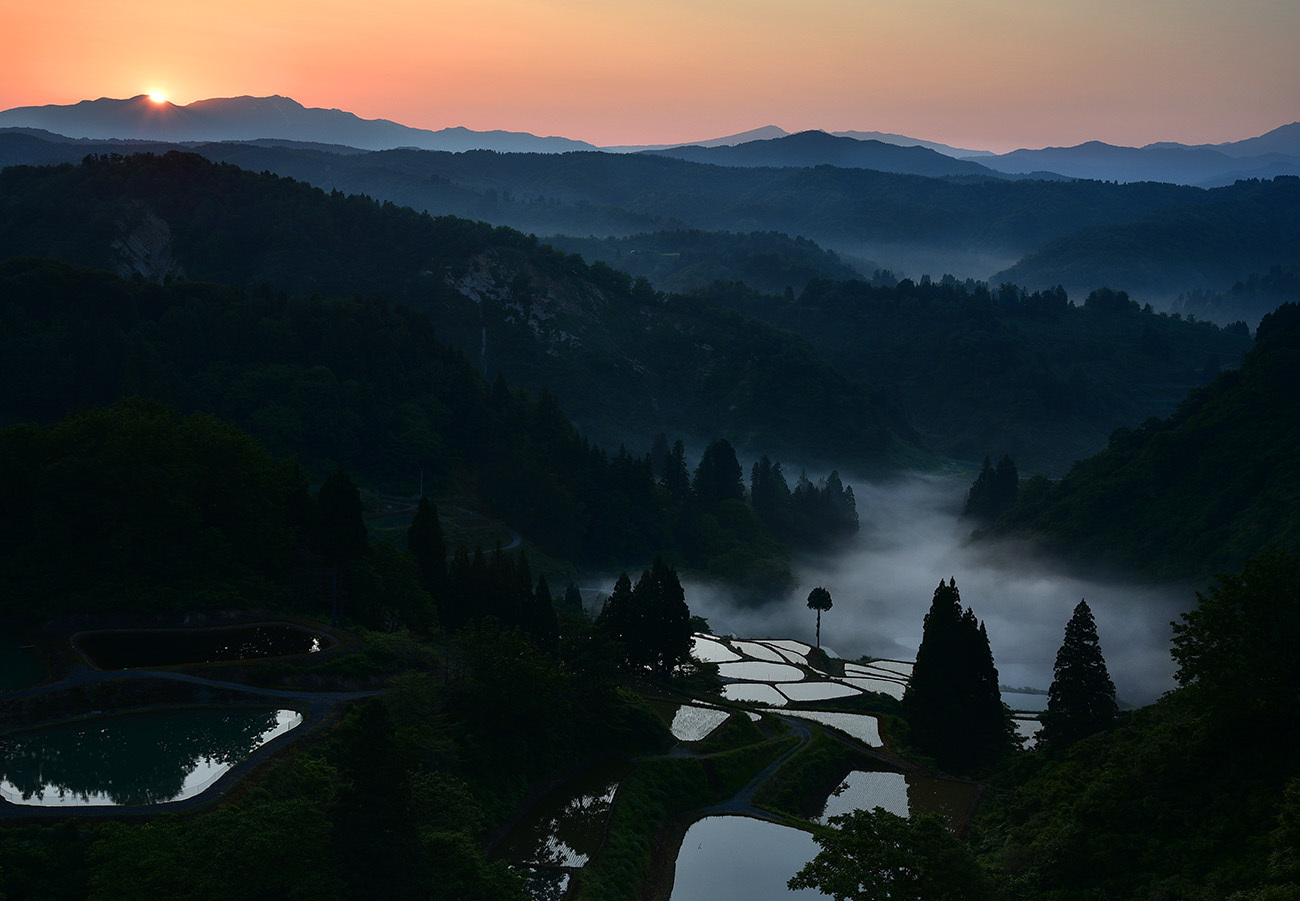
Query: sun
{"type": "Point", "coordinates": [158, 97]}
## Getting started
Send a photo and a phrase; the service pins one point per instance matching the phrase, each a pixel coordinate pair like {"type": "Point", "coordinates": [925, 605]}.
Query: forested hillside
{"type": "Point", "coordinates": [361, 386]}
{"type": "Point", "coordinates": [898, 220]}
{"type": "Point", "coordinates": [624, 361]}
{"type": "Point", "coordinates": [986, 372]}
{"type": "Point", "coordinates": [1198, 492]}
{"type": "Point", "coordinates": [1242, 229]}
{"type": "Point", "coordinates": [691, 259]}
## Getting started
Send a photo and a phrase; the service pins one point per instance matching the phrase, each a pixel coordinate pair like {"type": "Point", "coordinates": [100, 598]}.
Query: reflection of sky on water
{"type": "Point", "coordinates": [759, 651]}
{"type": "Point", "coordinates": [691, 723]}
{"type": "Point", "coordinates": [760, 671]}
{"type": "Point", "coordinates": [815, 691]}
{"type": "Point", "coordinates": [709, 651]}
{"type": "Point", "coordinates": [566, 828]}
{"type": "Point", "coordinates": [862, 726]}
{"type": "Point", "coordinates": [146, 758]}
{"type": "Point", "coordinates": [754, 693]}
{"type": "Point", "coordinates": [741, 859]}
{"type": "Point", "coordinates": [900, 795]}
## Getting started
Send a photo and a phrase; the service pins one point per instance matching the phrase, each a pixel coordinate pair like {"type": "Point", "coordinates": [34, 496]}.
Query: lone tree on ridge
{"type": "Point", "coordinates": [819, 599]}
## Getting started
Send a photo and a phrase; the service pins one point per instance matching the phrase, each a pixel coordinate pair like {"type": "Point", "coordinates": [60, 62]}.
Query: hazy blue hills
{"type": "Point", "coordinates": [1242, 230]}
{"type": "Point", "coordinates": [249, 118]}
{"type": "Point", "coordinates": [968, 226]}
{"type": "Point", "coordinates": [817, 148]}
{"type": "Point", "coordinates": [1269, 155]}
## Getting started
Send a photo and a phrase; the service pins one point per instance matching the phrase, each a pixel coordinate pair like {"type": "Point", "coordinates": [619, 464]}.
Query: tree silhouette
{"type": "Point", "coordinates": [1081, 700]}
{"type": "Point", "coordinates": [819, 599]}
{"type": "Point", "coordinates": [340, 535]}
{"type": "Point", "coordinates": [425, 542]}
{"type": "Point", "coordinates": [952, 702]}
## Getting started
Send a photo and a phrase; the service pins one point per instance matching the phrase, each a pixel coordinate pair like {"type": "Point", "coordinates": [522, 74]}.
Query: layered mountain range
{"type": "Point", "coordinates": [252, 118]}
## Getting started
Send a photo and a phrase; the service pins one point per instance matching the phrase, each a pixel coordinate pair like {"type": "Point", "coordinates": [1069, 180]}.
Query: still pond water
{"type": "Point", "coordinates": [151, 757]}
{"type": "Point", "coordinates": [731, 858]}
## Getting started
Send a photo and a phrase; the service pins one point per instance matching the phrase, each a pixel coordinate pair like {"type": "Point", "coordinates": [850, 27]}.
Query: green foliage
{"type": "Point", "coordinates": [1236, 645]}
{"type": "Point", "coordinates": [1081, 699]}
{"type": "Point", "coordinates": [1027, 372]}
{"type": "Point", "coordinates": [952, 703]}
{"type": "Point", "coordinates": [873, 855]}
{"type": "Point", "coordinates": [347, 384]}
{"type": "Point", "coordinates": [1199, 492]}
{"type": "Point", "coordinates": [136, 507]}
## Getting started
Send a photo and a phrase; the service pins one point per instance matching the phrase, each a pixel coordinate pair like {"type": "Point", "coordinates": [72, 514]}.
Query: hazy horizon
{"type": "Point", "coordinates": [998, 76]}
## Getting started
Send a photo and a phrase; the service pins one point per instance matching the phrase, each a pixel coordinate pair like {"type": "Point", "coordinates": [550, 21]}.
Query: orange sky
{"type": "Point", "coordinates": [994, 75]}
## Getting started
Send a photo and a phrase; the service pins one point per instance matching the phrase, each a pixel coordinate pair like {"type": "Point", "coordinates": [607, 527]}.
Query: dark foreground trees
{"type": "Point", "coordinates": [952, 703]}
{"type": "Point", "coordinates": [651, 621]}
{"type": "Point", "coordinates": [1081, 700]}
{"type": "Point", "coordinates": [875, 855]}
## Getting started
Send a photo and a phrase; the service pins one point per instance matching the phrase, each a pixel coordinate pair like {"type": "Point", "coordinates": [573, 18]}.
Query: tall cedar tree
{"type": "Point", "coordinates": [719, 477]}
{"type": "Point", "coordinates": [952, 702]}
{"type": "Point", "coordinates": [1081, 700]}
{"type": "Point", "coordinates": [819, 599]}
{"type": "Point", "coordinates": [340, 534]}
{"type": "Point", "coordinates": [425, 542]}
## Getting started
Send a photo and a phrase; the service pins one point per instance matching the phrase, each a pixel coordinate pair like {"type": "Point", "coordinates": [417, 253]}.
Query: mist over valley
{"type": "Point", "coordinates": [911, 537]}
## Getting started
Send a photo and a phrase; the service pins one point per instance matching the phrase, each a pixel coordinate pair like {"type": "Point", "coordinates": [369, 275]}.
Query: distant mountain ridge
{"type": "Point", "coordinates": [280, 118]}
{"type": "Point", "coordinates": [251, 118]}
{"type": "Point", "coordinates": [1207, 165]}
{"type": "Point", "coordinates": [817, 148]}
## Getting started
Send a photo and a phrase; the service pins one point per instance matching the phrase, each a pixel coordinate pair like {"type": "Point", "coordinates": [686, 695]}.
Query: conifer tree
{"type": "Point", "coordinates": [340, 534]}
{"type": "Point", "coordinates": [1081, 700]}
{"type": "Point", "coordinates": [543, 624]}
{"type": "Point", "coordinates": [425, 542]}
{"type": "Point", "coordinates": [952, 703]}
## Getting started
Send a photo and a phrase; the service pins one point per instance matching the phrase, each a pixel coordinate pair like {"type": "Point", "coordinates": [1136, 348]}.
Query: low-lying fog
{"type": "Point", "coordinates": [910, 539]}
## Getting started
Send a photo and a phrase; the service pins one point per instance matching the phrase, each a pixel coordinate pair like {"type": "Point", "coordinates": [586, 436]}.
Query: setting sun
{"type": "Point", "coordinates": [157, 97]}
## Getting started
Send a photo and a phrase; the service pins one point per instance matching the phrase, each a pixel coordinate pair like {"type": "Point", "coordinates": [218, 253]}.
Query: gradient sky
{"type": "Point", "coordinates": [995, 75]}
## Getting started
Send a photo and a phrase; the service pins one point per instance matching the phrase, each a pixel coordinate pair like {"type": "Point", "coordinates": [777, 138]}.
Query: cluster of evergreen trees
{"type": "Point", "coordinates": [994, 490]}
{"type": "Point", "coordinates": [812, 515]}
{"type": "Point", "coordinates": [650, 621]}
{"type": "Point", "coordinates": [952, 703]}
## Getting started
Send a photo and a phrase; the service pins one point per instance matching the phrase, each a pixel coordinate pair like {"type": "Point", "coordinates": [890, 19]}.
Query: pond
{"type": "Point", "coordinates": [901, 795]}
{"type": "Point", "coordinates": [567, 827]}
{"type": "Point", "coordinates": [123, 648]}
{"type": "Point", "coordinates": [152, 757]}
{"type": "Point", "coordinates": [731, 858]}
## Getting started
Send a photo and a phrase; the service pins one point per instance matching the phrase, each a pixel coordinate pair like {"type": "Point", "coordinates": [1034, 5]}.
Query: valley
{"type": "Point", "coordinates": [711, 370]}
